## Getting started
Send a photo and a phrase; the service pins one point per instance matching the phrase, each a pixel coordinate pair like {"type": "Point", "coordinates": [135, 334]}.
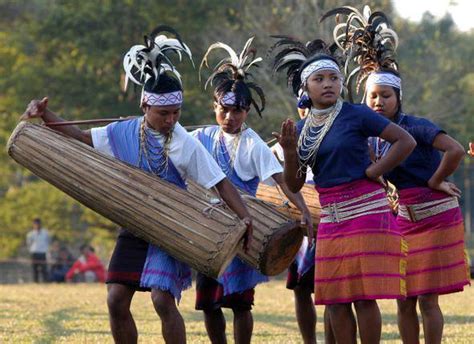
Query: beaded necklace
{"type": "Point", "coordinates": [220, 149]}
{"type": "Point", "coordinates": [381, 146]}
{"type": "Point", "coordinates": [155, 155]}
{"type": "Point", "coordinates": [316, 126]}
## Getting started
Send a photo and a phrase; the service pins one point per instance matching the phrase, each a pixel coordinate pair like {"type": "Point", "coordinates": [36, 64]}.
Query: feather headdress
{"type": "Point", "coordinates": [154, 58]}
{"type": "Point", "coordinates": [291, 54]}
{"type": "Point", "coordinates": [235, 67]}
{"type": "Point", "coordinates": [366, 39]}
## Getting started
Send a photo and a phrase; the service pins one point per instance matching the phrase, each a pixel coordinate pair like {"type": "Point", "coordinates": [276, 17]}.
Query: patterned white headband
{"type": "Point", "coordinates": [162, 99]}
{"type": "Point", "coordinates": [387, 79]}
{"type": "Point", "coordinates": [230, 99]}
{"type": "Point", "coordinates": [318, 65]}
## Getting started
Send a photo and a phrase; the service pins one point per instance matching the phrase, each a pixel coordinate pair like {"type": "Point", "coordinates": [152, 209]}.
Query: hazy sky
{"type": "Point", "coordinates": [461, 10]}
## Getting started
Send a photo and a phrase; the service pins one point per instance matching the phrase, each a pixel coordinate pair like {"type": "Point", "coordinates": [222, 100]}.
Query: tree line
{"type": "Point", "coordinates": [72, 52]}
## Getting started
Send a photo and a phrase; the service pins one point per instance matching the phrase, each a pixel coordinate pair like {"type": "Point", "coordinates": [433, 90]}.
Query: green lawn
{"type": "Point", "coordinates": [78, 314]}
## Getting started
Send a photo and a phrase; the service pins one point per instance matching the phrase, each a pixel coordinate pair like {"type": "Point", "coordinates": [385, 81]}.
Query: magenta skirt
{"type": "Point", "coordinates": [436, 262]}
{"type": "Point", "coordinates": [360, 252]}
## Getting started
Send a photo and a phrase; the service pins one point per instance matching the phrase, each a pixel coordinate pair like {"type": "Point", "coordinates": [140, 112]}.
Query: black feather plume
{"type": "Point", "coordinates": [291, 54]}
{"type": "Point", "coordinates": [366, 40]}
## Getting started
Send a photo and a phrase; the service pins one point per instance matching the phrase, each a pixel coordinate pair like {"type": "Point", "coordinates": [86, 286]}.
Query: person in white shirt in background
{"type": "Point", "coordinates": [38, 241]}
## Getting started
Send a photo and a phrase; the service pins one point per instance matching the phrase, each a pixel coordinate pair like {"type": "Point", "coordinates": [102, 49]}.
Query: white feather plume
{"type": "Point", "coordinates": [144, 61]}
{"type": "Point", "coordinates": [239, 61]}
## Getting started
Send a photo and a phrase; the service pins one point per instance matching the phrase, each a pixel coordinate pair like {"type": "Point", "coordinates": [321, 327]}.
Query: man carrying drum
{"type": "Point", "coordinates": [246, 160]}
{"type": "Point", "coordinates": [158, 144]}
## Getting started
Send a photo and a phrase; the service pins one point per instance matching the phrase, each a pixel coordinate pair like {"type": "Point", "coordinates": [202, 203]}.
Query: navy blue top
{"type": "Point", "coordinates": [422, 163]}
{"type": "Point", "coordinates": [343, 155]}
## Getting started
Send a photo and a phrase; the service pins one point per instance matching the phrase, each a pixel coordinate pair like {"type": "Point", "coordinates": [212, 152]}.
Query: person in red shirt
{"type": "Point", "coordinates": [87, 268]}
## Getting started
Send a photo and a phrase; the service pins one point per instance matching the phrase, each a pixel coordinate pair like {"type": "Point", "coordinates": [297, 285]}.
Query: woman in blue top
{"type": "Point", "coordinates": [429, 216]}
{"type": "Point", "coordinates": [300, 277]}
{"type": "Point", "coordinates": [359, 249]}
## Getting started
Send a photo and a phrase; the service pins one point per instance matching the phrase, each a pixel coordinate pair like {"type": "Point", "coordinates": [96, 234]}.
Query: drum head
{"type": "Point", "coordinates": [281, 249]}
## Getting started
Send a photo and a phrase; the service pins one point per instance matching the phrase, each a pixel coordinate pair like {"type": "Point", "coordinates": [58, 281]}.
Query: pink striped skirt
{"type": "Point", "coordinates": [360, 253]}
{"type": "Point", "coordinates": [436, 262]}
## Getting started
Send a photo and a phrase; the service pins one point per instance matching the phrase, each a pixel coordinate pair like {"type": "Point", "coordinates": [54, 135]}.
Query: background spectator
{"type": "Point", "coordinates": [87, 268]}
{"type": "Point", "coordinates": [38, 241]}
{"type": "Point", "coordinates": [62, 260]}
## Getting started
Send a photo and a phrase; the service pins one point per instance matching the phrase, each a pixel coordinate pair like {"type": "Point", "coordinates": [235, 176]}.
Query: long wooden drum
{"type": "Point", "coordinates": [275, 196]}
{"type": "Point", "coordinates": [153, 209]}
{"type": "Point", "coordinates": [276, 238]}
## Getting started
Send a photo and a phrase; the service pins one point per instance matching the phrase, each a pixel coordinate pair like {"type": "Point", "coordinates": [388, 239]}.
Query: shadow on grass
{"type": "Point", "coordinates": [271, 335]}
{"type": "Point", "coordinates": [279, 320]}
{"type": "Point", "coordinates": [193, 316]}
{"type": "Point", "coordinates": [94, 316]}
{"type": "Point", "coordinates": [448, 319]}
{"type": "Point", "coordinates": [389, 319]}
{"type": "Point", "coordinates": [53, 327]}
{"type": "Point", "coordinates": [4, 302]}
{"type": "Point", "coordinates": [458, 319]}
{"type": "Point", "coordinates": [5, 313]}
{"type": "Point", "coordinates": [391, 335]}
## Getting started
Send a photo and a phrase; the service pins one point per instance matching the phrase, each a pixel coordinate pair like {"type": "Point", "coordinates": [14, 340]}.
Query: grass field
{"type": "Point", "coordinates": [78, 314]}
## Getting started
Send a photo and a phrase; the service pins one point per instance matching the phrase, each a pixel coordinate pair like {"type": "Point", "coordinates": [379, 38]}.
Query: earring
{"type": "Point", "coordinates": [304, 101]}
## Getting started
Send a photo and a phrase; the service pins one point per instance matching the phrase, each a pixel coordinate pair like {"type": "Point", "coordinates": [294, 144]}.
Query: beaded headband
{"type": "Point", "coordinates": [230, 99]}
{"type": "Point", "coordinates": [162, 99]}
{"type": "Point", "coordinates": [386, 79]}
{"type": "Point", "coordinates": [318, 65]}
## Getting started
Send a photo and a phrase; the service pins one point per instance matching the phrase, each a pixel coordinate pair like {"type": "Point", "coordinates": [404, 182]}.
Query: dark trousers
{"type": "Point", "coordinates": [39, 265]}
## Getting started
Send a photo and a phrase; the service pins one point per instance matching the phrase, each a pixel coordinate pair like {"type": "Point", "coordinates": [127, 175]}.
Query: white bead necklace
{"type": "Point", "coordinates": [316, 126]}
